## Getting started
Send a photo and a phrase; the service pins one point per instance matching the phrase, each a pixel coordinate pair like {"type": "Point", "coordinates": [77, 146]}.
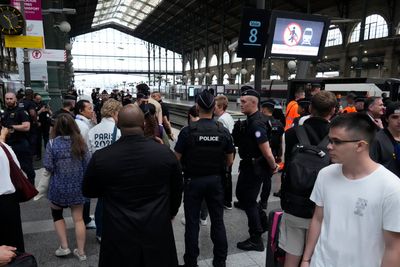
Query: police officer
{"type": "Point", "coordinates": [257, 162]}
{"type": "Point", "coordinates": [205, 149]}
{"type": "Point", "coordinates": [17, 121]}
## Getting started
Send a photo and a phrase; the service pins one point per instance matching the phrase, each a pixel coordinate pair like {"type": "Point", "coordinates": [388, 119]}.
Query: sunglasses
{"type": "Point", "coordinates": [338, 142]}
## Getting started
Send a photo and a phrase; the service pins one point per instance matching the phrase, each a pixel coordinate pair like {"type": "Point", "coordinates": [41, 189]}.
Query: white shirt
{"type": "Point", "coordinates": [84, 125]}
{"type": "Point", "coordinates": [101, 135]}
{"type": "Point", "coordinates": [6, 186]}
{"type": "Point", "coordinates": [355, 214]}
{"type": "Point", "coordinates": [227, 120]}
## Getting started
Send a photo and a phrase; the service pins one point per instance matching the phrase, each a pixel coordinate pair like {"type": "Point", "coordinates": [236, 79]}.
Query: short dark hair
{"type": "Point", "coordinates": [80, 106]}
{"type": "Point", "coordinates": [322, 103]}
{"type": "Point", "coordinates": [370, 100]}
{"type": "Point", "coordinates": [358, 123]}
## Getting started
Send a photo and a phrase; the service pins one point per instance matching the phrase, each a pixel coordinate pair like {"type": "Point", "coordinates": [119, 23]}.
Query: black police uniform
{"type": "Point", "coordinates": [44, 128]}
{"type": "Point", "coordinates": [29, 105]}
{"type": "Point", "coordinates": [204, 146]}
{"type": "Point", "coordinates": [18, 140]}
{"type": "Point", "coordinates": [253, 169]}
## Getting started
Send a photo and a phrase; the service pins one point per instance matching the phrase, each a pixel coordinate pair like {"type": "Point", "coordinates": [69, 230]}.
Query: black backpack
{"type": "Point", "coordinates": [302, 171]}
{"type": "Point", "coordinates": [275, 132]}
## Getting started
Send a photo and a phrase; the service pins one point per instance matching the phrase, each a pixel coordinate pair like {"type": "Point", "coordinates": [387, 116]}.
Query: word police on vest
{"type": "Point", "coordinates": [209, 138]}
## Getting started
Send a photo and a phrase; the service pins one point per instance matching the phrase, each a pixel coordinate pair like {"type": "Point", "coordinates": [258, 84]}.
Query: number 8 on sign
{"type": "Point", "coordinates": [253, 35]}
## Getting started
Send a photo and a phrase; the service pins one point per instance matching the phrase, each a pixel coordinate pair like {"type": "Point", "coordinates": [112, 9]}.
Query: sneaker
{"type": "Point", "coordinates": [203, 222]}
{"type": "Point", "coordinates": [249, 244]}
{"type": "Point", "coordinates": [98, 238]}
{"type": "Point", "coordinates": [228, 205]}
{"type": "Point", "coordinates": [79, 256]}
{"type": "Point", "coordinates": [183, 221]}
{"type": "Point", "coordinates": [61, 252]}
{"type": "Point", "coordinates": [91, 225]}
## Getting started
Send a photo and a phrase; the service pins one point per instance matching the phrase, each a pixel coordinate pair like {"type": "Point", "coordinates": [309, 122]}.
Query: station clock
{"type": "Point", "coordinates": [12, 21]}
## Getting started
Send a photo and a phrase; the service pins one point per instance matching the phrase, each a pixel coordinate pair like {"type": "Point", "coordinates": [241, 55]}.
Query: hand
{"type": "Point", "coordinates": [171, 137]}
{"type": "Point", "coordinates": [3, 134]}
{"type": "Point", "coordinates": [7, 253]}
{"type": "Point", "coordinates": [276, 169]}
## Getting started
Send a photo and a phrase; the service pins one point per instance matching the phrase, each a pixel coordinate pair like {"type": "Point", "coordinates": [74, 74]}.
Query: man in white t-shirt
{"type": "Point", "coordinates": [356, 222]}
{"type": "Point", "coordinates": [221, 104]}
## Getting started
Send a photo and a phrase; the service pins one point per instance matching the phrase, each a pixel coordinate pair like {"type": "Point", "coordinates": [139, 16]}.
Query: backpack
{"type": "Point", "coordinates": [302, 171]}
{"type": "Point", "coordinates": [275, 132]}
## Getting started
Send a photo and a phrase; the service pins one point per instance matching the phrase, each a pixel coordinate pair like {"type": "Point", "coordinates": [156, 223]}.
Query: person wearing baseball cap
{"type": "Point", "coordinates": [386, 147]}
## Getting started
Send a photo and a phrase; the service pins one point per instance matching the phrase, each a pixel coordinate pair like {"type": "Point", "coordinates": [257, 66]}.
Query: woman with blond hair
{"type": "Point", "coordinates": [66, 159]}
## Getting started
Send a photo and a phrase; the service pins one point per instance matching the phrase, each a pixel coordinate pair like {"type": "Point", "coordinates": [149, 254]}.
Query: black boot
{"type": "Point", "coordinates": [253, 243]}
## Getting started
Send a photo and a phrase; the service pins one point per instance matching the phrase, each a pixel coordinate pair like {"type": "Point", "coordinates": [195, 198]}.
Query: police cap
{"type": "Point", "coordinates": [304, 101]}
{"type": "Point", "coordinates": [270, 103]}
{"type": "Point", "coordinates": [206, 100]}
{"type": "Point", "coordinates": [249, 91]}
{"type": "Point", "coordinates": [69, 97]}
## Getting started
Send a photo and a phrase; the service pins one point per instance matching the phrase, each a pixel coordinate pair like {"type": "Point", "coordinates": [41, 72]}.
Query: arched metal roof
{"type": "Point", "coordinates": [178, 25]}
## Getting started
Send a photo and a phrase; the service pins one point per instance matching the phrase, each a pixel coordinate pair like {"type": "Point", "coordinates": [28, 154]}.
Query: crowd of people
{"type": "Point", "coordinates": [339, 210]}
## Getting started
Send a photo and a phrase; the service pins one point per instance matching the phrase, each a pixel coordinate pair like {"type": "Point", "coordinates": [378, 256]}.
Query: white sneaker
{"type": "Point", "coordinates": [91, 225]}
{"type": "Point", "coordinates": [79, 256]}
{"type": "Point", "coordinates": [203, 222]}
{"type": "Point", "coordinates": [183, 221]}
{"type": "Point", "coordinates": [61, 252]}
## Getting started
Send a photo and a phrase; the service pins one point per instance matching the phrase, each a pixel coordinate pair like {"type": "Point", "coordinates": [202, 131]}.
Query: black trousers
{"type": "Point", "coordinates": [43, 135]}
{"type": "Point", "coordinates": [10, 223]}
{"type": "Point", "coordinates": [210, 189]}
{"type": "Point", "coordinates": [266, 189]}
{"type": "Point", "coordinates": [23, 152]}
{"type": "Point", "coordinates": [247, 190]}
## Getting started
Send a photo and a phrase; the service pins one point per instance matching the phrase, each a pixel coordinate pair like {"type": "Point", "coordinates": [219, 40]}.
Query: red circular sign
{"type": "Point", "coordinates": [292, 34]}
{"type": "Point", "coordinates": [36, 54]}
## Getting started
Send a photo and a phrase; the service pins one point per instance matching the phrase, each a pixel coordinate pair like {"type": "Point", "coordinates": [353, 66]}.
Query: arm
{"type": "Point", "coordinates": [229, 159]}
{"type": "Point", "coordinates": [313, 235]}
{"type": "Point", "coordinates": [3, 134]}
{"type": "Point", "coordinates": [24, 127]}
{"type": "Point", "coordinates": [176, 188]}
{"type": "Point", "coordinates": [178, 156]}
{"type": "Point", "coordinates": [267, 153]}
{"type": "Point", "coordinates": [48, 157]}
{"type": "Point", "coordinates": [391, 256]}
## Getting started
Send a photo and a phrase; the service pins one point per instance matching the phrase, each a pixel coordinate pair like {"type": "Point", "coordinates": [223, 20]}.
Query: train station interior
{"type": "Point", "coordinates": [180, 47]}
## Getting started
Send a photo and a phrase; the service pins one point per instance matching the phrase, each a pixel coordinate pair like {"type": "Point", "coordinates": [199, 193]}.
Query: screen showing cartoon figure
{"type": "Point", "coordinates": [297, 37]}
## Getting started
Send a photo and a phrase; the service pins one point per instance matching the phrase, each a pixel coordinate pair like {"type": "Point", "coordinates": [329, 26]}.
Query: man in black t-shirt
{"type": "Point", "coordinates": [17, 121]}
{"type": "Point", "coordinates": [44, 122]}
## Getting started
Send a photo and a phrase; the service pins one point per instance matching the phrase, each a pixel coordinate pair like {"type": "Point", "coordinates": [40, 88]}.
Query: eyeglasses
{"type": "Point", "coordinates": [337, 142]}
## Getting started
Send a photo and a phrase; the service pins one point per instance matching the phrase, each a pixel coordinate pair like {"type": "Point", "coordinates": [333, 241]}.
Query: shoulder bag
{"type": "Point", "coordinates": [24, 189]}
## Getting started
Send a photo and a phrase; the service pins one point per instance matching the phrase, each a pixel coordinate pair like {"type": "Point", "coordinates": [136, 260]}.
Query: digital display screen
{"type": "Point", "coordinates": [296, 35]}
{"type": "Point", "coordinates": [191, 91]}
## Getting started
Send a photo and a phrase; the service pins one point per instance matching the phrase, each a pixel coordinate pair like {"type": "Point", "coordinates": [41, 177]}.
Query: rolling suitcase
{"type": "Point", "coordinates": [275, 255]}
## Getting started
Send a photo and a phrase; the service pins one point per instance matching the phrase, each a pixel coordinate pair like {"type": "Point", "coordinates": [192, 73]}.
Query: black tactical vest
{"type": "Point", "coordinates": [206, 150]}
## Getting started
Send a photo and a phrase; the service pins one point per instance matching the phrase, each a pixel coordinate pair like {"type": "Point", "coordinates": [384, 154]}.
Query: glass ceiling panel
{"type": "Point", "coordinates": [128, 13]}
